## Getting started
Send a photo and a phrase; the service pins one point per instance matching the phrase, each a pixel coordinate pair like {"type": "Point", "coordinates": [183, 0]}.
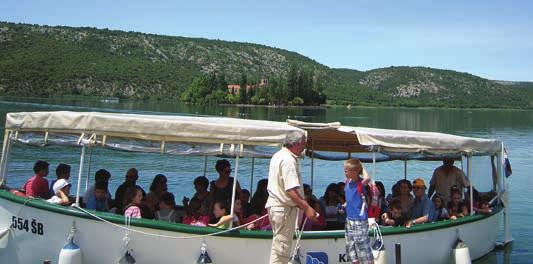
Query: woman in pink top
{"type": "Point", "coordinates": [133, 200]}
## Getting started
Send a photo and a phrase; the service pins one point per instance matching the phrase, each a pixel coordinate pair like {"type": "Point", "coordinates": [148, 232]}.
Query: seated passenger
{"type": "Point", "coordinates": [100, 176]}
{"type": "Point", "coordinates": [257, 209]}
{"type": "Point", "coordinates": [132, 202]}
{"type": "Point", "coordinates": [62, 172]}
{"type": "Point", "coordinates": [194, 215]}
{"type": "Point", "coordinates": [404, 195]}
{"type": "Point", "coordinates": [480, 205]}
{"type": "Point", "coordinates": [131, 179]}
{"type": "Point", "coordinates": [99, 200]}
{"type": "Point", "coordinates": [167, 212]}
{"type": "Point", "coordinates": [222, 188]}
{"type": "Point", "coordinates": [456, 207]}
{"type": "Point", "coordinates": [245, 202]}
{"type": "Point", "coordinates": [201, 183]}
{"type": "Point", "coordinates": [393, 216]}
{"type": "Point", "coordinates": [383, 202]}
{"type": "Point", "coordinates": [37, 186]}
{"type": "Point", "coordinates": [61, 193]}
{"type": "Point", "coordinates": [320, 223]}
{"type": "Point", "coordinates": [157, 189]}
{"type": "Point", "coordinates": [330, 204]}
{"type": "Point", "coordinates": [340, 191]}
{"type": "Point", "coordinates": [375, 200]}
{"type": "Point", "coordinates": [395, 192]}
{"type": "Point", "coordinates": [484, 207]}
{"type": "Point", "coordinates": [221, 212]}
{"type": "Point", "coordinates": [308, 193]}
{"type": "Point", "coordinates": [441, 213]}
{"type": "Point", "coordinates": [423, 209]}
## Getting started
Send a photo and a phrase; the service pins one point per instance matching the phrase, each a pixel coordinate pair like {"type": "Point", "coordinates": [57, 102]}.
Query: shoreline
{"type": "Point", "coordinates": [311, 107]}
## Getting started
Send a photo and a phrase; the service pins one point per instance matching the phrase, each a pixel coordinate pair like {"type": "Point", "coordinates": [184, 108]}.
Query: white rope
{"type": "Point", "coordinates": [165, 236]}
{"type": "Point", "coordinates": [298, 237]}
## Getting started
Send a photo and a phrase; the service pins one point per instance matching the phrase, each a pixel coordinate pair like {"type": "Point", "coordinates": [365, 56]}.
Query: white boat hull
{"type": "Point", "coordinates": [29, 242]}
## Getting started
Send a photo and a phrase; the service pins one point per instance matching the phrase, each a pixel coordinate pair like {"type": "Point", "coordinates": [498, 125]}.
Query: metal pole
{"type": "Point", "coordinates": [398, 249]}
{"type": "Point", "coordinates": [205, 166]}
{"type": "Point", "coordinates": [374, 165]}
{"type": "Point", "coordinates": [469, 171]}
{"type": "Point", "coordinates": [80, 173]}
{"type": "Point", "coordinates": [234, 186]}
{"type": "Point", "coordinates": [6, 149]}
{"type": "Point", "coordinates": [405, 169]}
{"type": "Point", "coordinates": [312, 164]}
{"type": "Point", "coordinates": [252, 177]}
{"type": "Point", "coordinates": [87, 181]}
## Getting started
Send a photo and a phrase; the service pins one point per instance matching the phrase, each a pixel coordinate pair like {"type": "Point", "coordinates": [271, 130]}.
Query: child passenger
{"type": "Point", "coordinates": [99, 200]}
{"type": "Point", "coordinates": [356, 232]}
{"type": "Point", "coordinates": [61, 192]}
{"type": "Point", "coordinates": [167, 203]}
{"type": "Point", "coordinates": [194, 215]}
{"type": "Point", "coordinates": [441, 213]}
{"type": "Point", "coordinates": [393, 216]}
{"type": "Point", "coordinates": [456, 208]}
{"type": "Point", "coordinates": [132, 200]}
{"type": "Point", "coordinates": [220, 210]}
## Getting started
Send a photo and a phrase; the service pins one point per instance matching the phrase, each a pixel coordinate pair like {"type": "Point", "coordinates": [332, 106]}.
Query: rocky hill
{"type": "Point", "coordinates": [49, 61]}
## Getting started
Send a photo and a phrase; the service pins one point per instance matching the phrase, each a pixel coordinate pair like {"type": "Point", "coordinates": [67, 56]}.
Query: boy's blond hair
{"type": "Point", "coordinates": [352, 163]}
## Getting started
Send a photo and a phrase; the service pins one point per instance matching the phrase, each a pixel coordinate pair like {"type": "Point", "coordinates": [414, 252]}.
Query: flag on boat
{"type": "Point", "coordinates": [506, 164]}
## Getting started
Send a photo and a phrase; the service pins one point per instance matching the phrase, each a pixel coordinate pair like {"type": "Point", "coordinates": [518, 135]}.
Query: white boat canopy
{"type": "Point", "coordinates": [391, 144]}
{"type": "Point", "coordinates": [180, 135]}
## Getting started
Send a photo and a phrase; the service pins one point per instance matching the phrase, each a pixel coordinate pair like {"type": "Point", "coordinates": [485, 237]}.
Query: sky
{"type": "Point", "coordinates": [491, 39]}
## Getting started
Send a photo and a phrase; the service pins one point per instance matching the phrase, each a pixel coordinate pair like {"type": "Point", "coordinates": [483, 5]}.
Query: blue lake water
{"type": "Point", "coordinates": [513, 127]}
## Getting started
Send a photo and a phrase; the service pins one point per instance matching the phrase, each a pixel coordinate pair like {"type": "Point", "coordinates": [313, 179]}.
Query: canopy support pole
{"type": "Point", "coordinates": [87, 181]}
{"type": "Point", "coordinates": [374, 164]}
{"type": "Point", "coordinates": [252, 177]}
{"type": "Point", "coordinates": [507, 236]}
{"type": "Point", "coordinates": [205, 166]}
{"type": "Point", "coordinates": [233, 192]}
{"type": "Point", "coordinates": [312, 164]}
{"type": "Point", "coordinates": [405, 169]}
{"type": "Point", "coordinates": [80, 173]}
{"type": "Point", "coordinates": [6, 150]}
{"type": "Point", "coordinates": [469, 172]}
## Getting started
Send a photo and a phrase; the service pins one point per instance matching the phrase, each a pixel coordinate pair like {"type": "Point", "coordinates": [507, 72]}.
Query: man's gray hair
{"type": "Point", "coordinates": [293, 138]}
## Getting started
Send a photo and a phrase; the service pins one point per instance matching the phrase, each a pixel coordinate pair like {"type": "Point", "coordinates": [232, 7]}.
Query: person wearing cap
{"type": "Point", "coordinates": [423, 209]}
{"type": "Point", "coordinates": [37, 186]}
{"type": "Point", "coordinates": [61, 192]}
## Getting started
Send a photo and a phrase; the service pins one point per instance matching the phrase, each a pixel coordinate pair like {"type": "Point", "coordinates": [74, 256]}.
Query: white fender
{"type": "Point", "coordinates": [461, 254]}
{"type": "Point", "coordinates": [70, 254]}
{"type": "Point", "coordinates": [4, 237]}
{"type": "Point", "coordinates": [380, 256]}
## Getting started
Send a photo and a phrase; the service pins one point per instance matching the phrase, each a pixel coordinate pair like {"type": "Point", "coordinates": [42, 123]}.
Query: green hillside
{"type": "Point", "coordinates": [53, 61]}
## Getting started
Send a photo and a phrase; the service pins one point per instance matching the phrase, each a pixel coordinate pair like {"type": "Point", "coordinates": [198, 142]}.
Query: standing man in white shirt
{"type": "Point", "coordinates": [285, 196]}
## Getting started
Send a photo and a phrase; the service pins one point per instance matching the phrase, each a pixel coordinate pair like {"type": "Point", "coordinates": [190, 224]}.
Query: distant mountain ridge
{"type": "Point", "coordinates": [47, 61]}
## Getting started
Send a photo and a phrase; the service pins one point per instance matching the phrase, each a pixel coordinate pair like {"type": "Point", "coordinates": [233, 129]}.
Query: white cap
{"type": "Point", "coordinates": [60, 184]}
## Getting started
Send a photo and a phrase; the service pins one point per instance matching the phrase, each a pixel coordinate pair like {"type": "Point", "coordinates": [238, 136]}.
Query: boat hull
{"type": "Point", "coordinates": [39, 231]}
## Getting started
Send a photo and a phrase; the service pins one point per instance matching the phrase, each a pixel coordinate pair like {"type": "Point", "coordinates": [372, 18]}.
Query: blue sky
{"type": "Point", "coordinates": [492, 39]}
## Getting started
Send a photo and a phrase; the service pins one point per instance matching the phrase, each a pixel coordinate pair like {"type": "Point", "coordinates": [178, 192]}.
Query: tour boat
{"type": "Point", "coordinates": [32, 230]}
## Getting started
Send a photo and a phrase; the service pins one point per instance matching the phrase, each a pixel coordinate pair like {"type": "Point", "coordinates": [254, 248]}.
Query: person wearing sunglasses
{"type": "Point", "coordinates": [423, 209]}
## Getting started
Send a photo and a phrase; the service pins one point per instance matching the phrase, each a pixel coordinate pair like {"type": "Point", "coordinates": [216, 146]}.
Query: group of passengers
{"type": "Point", "coordinates": [211, 203]}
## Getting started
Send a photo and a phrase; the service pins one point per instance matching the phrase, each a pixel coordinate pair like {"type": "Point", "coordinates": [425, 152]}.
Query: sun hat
{"type": "Point", "coordinates": [60, 184]}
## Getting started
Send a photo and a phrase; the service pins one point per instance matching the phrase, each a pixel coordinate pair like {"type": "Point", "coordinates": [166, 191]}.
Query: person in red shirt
{"type": "Point", "coordinates": [37, 186]}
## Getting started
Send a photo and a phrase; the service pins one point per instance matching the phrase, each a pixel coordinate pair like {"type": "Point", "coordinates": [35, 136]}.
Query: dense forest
{"type": "Point", "coordinates": [49, 61]}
